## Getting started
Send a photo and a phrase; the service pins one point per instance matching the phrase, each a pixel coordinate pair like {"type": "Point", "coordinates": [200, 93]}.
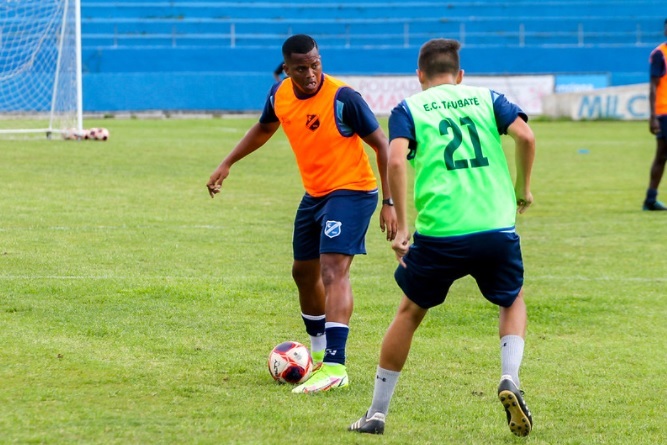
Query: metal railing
{"type": "Point", "coordinates": [394, 33]}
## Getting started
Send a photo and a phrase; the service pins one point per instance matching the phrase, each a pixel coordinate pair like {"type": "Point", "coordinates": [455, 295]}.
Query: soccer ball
{"type": "Point", "coordinates": [72, 134]}
{"type": "Point", "coordinates": [98, 134]}
{"type": "Point", "coordinates": [290, 362]}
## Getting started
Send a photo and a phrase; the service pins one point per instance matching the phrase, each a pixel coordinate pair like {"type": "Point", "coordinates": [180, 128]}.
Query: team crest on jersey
{"type": "Point", "coordinates": [312, 122]}
{"type": "Point", "coordinates": [332, 228]}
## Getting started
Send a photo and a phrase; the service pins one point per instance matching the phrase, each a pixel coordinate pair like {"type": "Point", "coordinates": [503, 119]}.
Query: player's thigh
{"type": "Point", "coordinates": [662, 134]}
{"type": "Point", "coordinates": [661, 140]}
{"type": "Point", "coordinates": [431, 268]}
{"type": "Point", "coordinates": [306, 233]}
{"type": "Point", "coordinates": [498, 268]}
{"type": "Point", "coordinates": [344, 222]}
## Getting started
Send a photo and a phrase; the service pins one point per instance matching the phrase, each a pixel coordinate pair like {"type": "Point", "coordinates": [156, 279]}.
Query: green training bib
{"type": "Point", "coordinates": [462, 182]}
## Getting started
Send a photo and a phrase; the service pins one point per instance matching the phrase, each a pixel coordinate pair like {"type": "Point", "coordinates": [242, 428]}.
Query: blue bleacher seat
{"type": "Point", "coordinates": [366, 24]}
{"type": "Point", "coordinates": [372, 37]}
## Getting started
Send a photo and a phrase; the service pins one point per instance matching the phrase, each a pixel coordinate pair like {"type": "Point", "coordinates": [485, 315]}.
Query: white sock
{"type": "Point", "coordinates": [385, 383]}
{"type": "Point", "coordinates": [315, 324]}
{"type": "Point", "coordinates": [511, 355]}
{"type": "Point", "coordinates": [318, 343]}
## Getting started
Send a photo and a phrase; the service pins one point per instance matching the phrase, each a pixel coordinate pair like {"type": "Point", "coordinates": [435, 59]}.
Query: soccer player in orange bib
{"type": "Point", "coordinates": [326, 123]}
{"type": "Point", "coordinates": [657, 122]}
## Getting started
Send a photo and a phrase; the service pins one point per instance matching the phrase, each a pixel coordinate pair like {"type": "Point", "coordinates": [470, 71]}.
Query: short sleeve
{"type": "Point", "coordinates": [401, 123]}
{"type": "Point", "coordinates": [505, 111]}
{"type": "Point", "coordinates": [657, 64]}
{"type": "Point", "coordinates": [269, 113]}
{"type": "Point", "coordinates": [355, 112]}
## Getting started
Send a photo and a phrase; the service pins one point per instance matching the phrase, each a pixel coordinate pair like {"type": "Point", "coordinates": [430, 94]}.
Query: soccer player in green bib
{"type": "Point", "coordinates": [466, 205]}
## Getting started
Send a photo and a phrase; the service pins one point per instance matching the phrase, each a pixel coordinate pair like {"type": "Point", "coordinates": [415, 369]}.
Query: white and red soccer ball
{"type": "Point", "coordinates": [72, 134]}
{"type": "Point", "coordinates": [290, 362]}
{"type": "Point", "coordinates": [97, 134]}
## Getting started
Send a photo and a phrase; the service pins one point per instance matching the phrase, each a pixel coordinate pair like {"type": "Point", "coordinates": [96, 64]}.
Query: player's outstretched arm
{"type": "Point", "coordinates": [257, 136]}
{"type": "Point", "coordinates": [378, 141]}
{"type": "Point", "coordinates": [524, 141]}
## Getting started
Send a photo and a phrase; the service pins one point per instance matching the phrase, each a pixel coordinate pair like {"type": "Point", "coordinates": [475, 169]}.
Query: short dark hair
{"type": "Point", "coordinates": [439, 56]}
{"type": "Point", "coordinates": [299, 44]}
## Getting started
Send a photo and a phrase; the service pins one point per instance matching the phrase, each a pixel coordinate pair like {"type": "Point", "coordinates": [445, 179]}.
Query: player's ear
{"type": "Point", "coordinates": [421, 76]}
{"type": "Point", "coordinates": [459, 77]}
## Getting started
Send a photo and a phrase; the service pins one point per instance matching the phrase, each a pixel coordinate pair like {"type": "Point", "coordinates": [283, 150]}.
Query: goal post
{"type": "Point", "coordinates": [40, 67]}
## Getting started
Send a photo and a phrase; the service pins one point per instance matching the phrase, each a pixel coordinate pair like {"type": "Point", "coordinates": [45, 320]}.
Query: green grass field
{"type": "Point", "coordinates": [134, 309]}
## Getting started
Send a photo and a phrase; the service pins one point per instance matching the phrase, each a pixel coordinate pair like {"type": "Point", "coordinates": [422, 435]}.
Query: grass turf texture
{"type": "Point", "coordinates": [135, 309]}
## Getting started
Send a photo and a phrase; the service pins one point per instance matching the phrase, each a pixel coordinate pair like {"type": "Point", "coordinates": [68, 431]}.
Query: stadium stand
{"type": "Point", "coordinates": [190, 45]}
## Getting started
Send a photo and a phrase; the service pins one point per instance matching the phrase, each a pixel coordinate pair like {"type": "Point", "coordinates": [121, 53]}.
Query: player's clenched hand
{"type": "Point", "coordinates": [214, 183]}
{"type": "Point", "coordinates": [401, 244]}
{"type": "Point", "coordinates": [654, 125]}
{"type": "Point", "coordinates": [523, 201]}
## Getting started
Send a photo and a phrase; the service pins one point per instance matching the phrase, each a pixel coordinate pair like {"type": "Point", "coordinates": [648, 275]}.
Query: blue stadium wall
{"type": "Point", "coordinates": [238, 80]}
{"type": "Point", "coordinates": [142, 73]}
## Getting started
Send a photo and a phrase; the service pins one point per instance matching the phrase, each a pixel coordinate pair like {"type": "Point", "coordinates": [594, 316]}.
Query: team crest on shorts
{"type": "Point", "coordinates": [332, 228]}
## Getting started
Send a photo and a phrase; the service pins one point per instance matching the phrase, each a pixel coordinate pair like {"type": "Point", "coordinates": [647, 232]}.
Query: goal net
{"type": "Point", "coordinates": [40, 67]}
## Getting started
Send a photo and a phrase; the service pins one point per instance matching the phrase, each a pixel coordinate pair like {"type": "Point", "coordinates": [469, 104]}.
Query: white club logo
{"type": "Point", "coordinates": [332, 228]}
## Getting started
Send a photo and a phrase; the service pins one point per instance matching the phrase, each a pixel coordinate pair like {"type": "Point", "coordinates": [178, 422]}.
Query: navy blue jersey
{"type": "Point", "coordinates": [402, 125]}
{"type": "Point", "coordinates": [353, 115]}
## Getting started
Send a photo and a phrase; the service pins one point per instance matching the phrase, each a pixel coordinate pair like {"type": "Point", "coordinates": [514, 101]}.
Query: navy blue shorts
{"type": "Point", "coordinates": [335, 223]}
{"type": "Point", "coordinates": [662, 120]}
{"type": "Point", "coordinates": [493, 259]}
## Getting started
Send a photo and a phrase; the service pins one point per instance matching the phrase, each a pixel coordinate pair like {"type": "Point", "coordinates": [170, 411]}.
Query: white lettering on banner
{"type": "Point", "coordinates": [383, 93]}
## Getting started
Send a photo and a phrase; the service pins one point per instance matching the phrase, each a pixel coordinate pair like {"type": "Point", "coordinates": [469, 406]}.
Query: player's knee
{"type": "Point", "coordinates": [335, 268]}
{"type": "Point", "coordinates": [333, 274]}
{"type": "Point", "coordinates": [410, 312]}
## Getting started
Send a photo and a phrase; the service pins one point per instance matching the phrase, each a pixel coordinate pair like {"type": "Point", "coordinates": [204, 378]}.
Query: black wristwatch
{"type": "Point", "coordinates": [388, 202]}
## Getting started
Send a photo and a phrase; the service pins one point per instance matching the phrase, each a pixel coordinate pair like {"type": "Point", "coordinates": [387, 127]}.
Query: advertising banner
{"type": "Point", "coordinates": [383, 93]}
{"type": "Point", "coordinates": [621, 103]}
